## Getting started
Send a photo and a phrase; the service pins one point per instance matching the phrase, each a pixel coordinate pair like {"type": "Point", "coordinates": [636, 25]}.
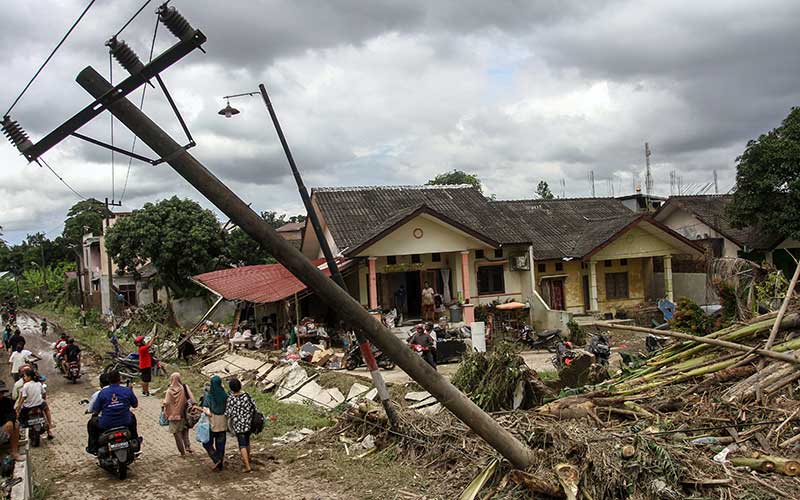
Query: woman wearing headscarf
{"type": "Point", "coordinates": [214, 406]}
{"type": "Point", "coordinates": [176, 404]}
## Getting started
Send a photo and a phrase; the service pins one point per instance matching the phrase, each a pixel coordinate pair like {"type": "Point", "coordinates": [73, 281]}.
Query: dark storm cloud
{"type": "Point", "coordinates": [389, 92]}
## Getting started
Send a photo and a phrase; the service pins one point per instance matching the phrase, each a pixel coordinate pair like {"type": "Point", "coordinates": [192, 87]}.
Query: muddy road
{"type": "Point", "coordinates": [159, 472]}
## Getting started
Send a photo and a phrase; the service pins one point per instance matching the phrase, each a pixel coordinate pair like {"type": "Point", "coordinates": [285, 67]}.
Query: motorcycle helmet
{"type": "Point", "coordinates": [419, 328]}
{"type": "Point", "coordinates": [139, 340]}
{"type": "Point", "coordinates": [568, 344]}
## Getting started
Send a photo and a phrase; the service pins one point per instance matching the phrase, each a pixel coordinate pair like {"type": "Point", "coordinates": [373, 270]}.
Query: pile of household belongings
{"type": "Point", "coordinates": [695, 420]}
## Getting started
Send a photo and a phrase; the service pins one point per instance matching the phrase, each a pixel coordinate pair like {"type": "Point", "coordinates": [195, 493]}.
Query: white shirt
{"type": "Point", "coordinates": [18, 359]}
{"type": "Point", "coordinates": [33, 392]}
{"type": "Point", "coordinates": [16, 388]}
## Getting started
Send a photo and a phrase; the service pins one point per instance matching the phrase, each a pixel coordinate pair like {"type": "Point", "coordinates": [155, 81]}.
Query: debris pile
{"type": "Point", "coordinates": [689, 422]}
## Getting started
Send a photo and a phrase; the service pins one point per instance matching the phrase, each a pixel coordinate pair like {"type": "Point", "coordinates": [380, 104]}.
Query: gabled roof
{"type": "Point", "coordinates": [566, 227]}
{"type": "Point", "coordinates": [712, 210]}
{"type": "Point", "coordinates": [355, 214]}
{"type": "Point", "coordinates": [261, 284]}
{"type": "Point", "coordinates": [408, 214]}
{"type": "Point", "coordinates": [290, 227]}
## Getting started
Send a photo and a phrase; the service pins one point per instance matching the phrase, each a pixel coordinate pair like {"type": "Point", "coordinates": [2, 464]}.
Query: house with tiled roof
{"type": "Point", "coordinates": [564, 255]}
{"type": "Point", "coordinates": [704, 219]}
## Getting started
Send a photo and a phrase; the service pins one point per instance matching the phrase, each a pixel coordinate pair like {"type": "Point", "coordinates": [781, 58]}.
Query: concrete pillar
{"type": "Point", "coordinates": [373, 283]}
{"type": "Point", "coordinates": [668, 277]}
{"type": "Point", "coordinates": [465, 275]}
{"type": "Point", "coordinates": [593, 286]}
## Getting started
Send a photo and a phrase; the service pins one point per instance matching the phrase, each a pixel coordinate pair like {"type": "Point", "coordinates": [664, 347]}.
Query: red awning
{"type": "Point", "coordinates": [261, 284]}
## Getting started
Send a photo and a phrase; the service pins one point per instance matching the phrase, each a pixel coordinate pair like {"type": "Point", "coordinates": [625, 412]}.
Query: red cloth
{"type": "Point", "coordinates": [145, 360]}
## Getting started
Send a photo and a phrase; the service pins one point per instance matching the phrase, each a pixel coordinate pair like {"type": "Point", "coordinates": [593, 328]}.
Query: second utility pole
{"type": "Point", "coordinates": [257, 228]}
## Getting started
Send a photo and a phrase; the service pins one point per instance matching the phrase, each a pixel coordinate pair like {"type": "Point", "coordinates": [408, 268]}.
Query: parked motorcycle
{"type": "Point", "coordinates": [564, 354]}
{"type": "Point", "coordinates": [36, 423]}
{"type": "Point", "coordinates": [538, 340]}
{"type": "Point", "coordinates": [116, 450]}
{"type": "Point", "coordinates": [128, 365]}
{"type": "Point", "coordinates": [353, 359]}
{"type": "Point", "coordinates": [600, 348]}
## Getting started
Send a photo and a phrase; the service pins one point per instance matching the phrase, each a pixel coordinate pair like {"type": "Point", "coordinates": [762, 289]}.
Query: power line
{"type": "Point", "coordinates": [42, 160]}
{"type": "Point", "coordinates": [132, 18]}
{"type": "Point", "coordinates": [49, 57]}
{"type": "Point", "coordinates": [141, 105]}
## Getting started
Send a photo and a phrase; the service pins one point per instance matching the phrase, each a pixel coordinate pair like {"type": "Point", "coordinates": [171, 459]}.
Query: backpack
{"type": "Point", "coordinates": [257, 420]}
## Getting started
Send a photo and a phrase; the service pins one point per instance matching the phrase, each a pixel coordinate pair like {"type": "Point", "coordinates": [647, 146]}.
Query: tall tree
{"type": "Point", "coordinates": [178, 236]}
{"type": "Point", "coordinates": [242, 250]}
{"type": "Point", "coordinates": [86, 216]}
{"type": "Point", "coordinates": [768, 181]}
{"type": "Point", "coordinates": [455, 177]}
{"type": "Point", "coordinates": [543, 191]}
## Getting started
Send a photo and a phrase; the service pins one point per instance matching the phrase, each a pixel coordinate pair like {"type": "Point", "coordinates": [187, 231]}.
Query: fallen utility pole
{"type": "Point", "coordinates": [790, 322]}
{"type": "Point", "coordinates": [258, 229]}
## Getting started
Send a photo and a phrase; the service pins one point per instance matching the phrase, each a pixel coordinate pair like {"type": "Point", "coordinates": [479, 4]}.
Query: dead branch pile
{"type": "Point", "coordinates": [695, 420]}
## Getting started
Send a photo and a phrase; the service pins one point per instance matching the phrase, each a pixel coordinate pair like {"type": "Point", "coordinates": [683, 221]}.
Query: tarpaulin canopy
{"type": "Point", "coordinates": [261, 284]}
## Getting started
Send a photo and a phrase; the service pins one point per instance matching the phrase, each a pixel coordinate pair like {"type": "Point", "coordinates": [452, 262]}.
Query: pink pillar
{"type": "Point", "coordinates": [373, 283]}
{"type": "Point", "coordinates": [465, 275]}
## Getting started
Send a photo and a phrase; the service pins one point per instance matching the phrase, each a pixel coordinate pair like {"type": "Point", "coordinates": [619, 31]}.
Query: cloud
{"type": "Point", "coordinates": [393, 93]}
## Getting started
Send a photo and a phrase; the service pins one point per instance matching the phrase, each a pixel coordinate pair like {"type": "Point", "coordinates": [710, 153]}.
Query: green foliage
{"type": "Point", "coordinates": [543, 191]}
{"type": "Point", "coordinates": [242, 250]}
{"type": "Point", "coordinates": [455, 177]}
{"type": "Point", "coordinates": [768, 181]}
{"type": "Point", "coordinates": [577, 335]}
{"type": "Point", "coordinates": [37, 285]}
{"type": "Point", "coordinates": [490, 379]}
{"type": "Point", "coordinates": [772, 289]}
{"type": "Point", "coordinates": [689, 318]}
{"type": "Point", "coordinates": [86, 216]}
{"type": "Point", "coordinates": [178, 236]}
{"type": "Point", "coordinates": [287, 416]}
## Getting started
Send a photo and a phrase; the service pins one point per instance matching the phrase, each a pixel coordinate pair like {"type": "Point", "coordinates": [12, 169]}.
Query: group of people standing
{"type": "Point", "coordinates": [223, 411]}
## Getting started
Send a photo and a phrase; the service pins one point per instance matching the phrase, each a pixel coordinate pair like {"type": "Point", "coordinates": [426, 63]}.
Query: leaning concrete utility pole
{"type": "Point", "coordinates": [258, 229]}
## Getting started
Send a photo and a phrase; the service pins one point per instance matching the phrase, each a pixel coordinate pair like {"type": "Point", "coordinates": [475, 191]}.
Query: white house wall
{"type": "Point", "coordinates": [436, 237]}
{"type": "Point", "coordinates": [688, 226]}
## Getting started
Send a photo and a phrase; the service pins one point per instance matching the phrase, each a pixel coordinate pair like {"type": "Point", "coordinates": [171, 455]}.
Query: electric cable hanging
{"type": "Point", "coordinates": [41, 160]}
{"type": "Point", "coordinates": [141, 105]}
{"type": "Point", "coordinates": [132, 18]}
{"type": "Point", "coordinates": [111, 116]}
{"type": "Point", "coordinates": [35, 75]}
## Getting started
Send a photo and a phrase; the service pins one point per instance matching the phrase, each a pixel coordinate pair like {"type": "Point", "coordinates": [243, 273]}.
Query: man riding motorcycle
{"type": "Point", "coordinates": [423, 343]}
{"type": "Point", "coordinates": [91, 445]}
{"type": "Point", "coordinates": [114, 404]}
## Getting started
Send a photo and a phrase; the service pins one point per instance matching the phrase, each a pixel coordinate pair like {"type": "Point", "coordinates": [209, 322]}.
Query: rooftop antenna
{"type": "Point", "coordinates": [648, 176]}
{"type": "Point", "coordinates": [563, 188]}
{"type": "Point", "coordinates": [591, 181]}
{"type": "Point", "coordinates": [716, 184]}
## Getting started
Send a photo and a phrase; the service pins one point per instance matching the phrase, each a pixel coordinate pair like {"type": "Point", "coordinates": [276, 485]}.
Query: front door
{"type": "Point", "coordinates": [555, 297]}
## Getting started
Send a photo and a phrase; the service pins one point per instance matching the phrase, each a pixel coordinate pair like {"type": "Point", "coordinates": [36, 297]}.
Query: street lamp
{"type": "Point", "coordinates": [228, 111]}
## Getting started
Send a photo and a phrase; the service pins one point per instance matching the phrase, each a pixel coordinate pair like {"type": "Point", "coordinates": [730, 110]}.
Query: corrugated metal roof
{"type": "Point", "coordinates": [261, 284]}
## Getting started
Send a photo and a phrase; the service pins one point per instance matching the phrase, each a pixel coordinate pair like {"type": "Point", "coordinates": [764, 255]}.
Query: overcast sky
{"type": "Point", "coordinates": [394, 92]}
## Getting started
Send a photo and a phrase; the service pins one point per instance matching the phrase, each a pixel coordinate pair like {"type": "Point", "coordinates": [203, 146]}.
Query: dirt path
{"type": "Point", "coordinates": [160, 472]}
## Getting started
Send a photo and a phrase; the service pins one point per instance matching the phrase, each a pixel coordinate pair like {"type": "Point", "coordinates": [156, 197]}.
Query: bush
{"type": "Point", "coordinates": [577, 335]}
{"type": "Point", "coordinates": [689, 318]}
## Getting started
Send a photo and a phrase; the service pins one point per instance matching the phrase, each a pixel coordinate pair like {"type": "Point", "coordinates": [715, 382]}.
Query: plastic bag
{"type": "Point", "coordinates": [203, 429]}
{"type": "Point", "coordinates": [162, 419]}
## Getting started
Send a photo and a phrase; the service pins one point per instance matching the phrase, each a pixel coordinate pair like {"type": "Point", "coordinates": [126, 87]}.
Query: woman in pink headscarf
{"type": "Point", "coordinates": [176, 406]}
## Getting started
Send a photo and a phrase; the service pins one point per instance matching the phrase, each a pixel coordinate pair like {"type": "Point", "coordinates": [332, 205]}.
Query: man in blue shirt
{"type": "Point", "coordinates": [114, 404]}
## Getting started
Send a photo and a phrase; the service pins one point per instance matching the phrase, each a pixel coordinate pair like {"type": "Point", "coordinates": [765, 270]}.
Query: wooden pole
{"type": "Point", "coordinates": [790, 322]}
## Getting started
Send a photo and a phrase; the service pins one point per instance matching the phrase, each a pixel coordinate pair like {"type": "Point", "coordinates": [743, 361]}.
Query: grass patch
{"type": "Point", "coordinates": [548, 375]}
{"type": "Point", "coordinates": [289, 416]}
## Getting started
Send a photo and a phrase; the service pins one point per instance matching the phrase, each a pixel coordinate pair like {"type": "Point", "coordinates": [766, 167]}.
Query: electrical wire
{"type": "Point", "coordinates": [42, 160]}
{"type": "Point", "coordinates": [132, 18]}
{"type": "Point", "coordinates": [141, 105]}
{"type": "Point", "coordinates": [50, 57]}
{"type": "Point", "coordinates": [111, 116]}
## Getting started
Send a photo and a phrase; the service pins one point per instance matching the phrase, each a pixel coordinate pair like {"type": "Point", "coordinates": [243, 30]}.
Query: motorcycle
{"type": "Point", "coordinates": [564, 355]}
{"type": "Point", "coordinates": [73, 371]}
{"type": "Point", "coordinates": [116, 450]}
{"type": "Point", "coordinates": [128, 365]}
{"type": "Point", "coordinates": [353, 359]}
{"type": "Point", "coordinates": [36, 423]}
{"type": "Point", "coordinates": [600, 348]}
{"type": "Point", "coordinates": [538, 340]}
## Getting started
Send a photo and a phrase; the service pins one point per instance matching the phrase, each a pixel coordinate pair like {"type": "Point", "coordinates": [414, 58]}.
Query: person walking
{"type": "Point", "coordinates": [176, 406]}
{"type": "Point", "coordinates": [213, 405]}
{"type": "Point", "coordinates": [7, 337]}
{"type": "Point", "coordinates": [428, 302]}
{"type": "Point", "coordinates": [145, 363]}
{"type": "Point", "coordinates": [239, 409]}
{"type": "Point", "coordinates": [43, 325]}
